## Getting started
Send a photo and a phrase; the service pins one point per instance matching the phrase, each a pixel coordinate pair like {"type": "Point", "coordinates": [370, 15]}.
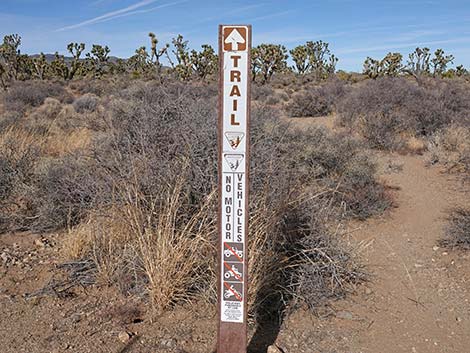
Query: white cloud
{"type": "Point", "coordinates": [110, 15]}
{"type": "Point", "coordinates": [402, 45]}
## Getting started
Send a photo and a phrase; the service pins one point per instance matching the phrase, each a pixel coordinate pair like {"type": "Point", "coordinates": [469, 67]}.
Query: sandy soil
{"type": "Point", "coordinates": [416, 302]}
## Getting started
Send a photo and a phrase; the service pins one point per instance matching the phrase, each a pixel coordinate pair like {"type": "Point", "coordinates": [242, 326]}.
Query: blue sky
{"type": "Point", "coordinates": [355, 29]}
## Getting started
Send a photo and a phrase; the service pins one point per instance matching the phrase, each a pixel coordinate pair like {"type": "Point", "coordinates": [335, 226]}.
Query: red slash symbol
{"type": "Point", "coordinates": [232, 271]}
{"type": "Point", "coordinates": [234, 292]}
{"type": "Point", "coordinates": [234, 252]}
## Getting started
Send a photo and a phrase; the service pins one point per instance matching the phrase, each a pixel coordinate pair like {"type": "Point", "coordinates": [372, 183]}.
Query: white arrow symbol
{"type": "Point", "coordinates": [235, 38]}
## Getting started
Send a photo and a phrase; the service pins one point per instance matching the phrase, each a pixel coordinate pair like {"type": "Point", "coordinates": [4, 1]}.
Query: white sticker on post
{"type": "Point", "coordinates": [235, 76]}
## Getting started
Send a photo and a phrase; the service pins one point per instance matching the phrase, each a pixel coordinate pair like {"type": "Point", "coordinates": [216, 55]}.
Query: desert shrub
{"type": "Point", "coordinates": [161, 163]}
{"type": "Point", "coordinates": [19, 152]}
{"type": "Point", "coordinates": [90, 86]}
{"type": "Point", "coordinates": [261, 92]}
{"type": "Point", "coordinates": [327, 269]}
{"type": "Point", "coordinates": [340, 163]}
{"type": "Point", "coordinates": [43, 117]}
{"type": "Point", "coordinates": [283, 96]}
{"type": "Point", "coordinates": [283, 80]}
{"type": "Point", "coordinates": [140, 199]}
{"type": "Point", "coordinates": [334, 90]}
{"type": "Point", "coordinates": [457, 231]}
{"type": "Point", "coordinates": [389, 110]}
{"type": "Point", "coordinates": [86, 103]}
{"type": "Point", "coordinates": [65, 190]}
{"type": "Point", "coordinates": [23, 95]}
{"type": "Point", "coordinates": [359, 191]}
{"type": "Point", "coordinates": [451, 147]}
{"type": "Point", "coordinates": [9, 119]}
{"type": "Point", "coordinates": [311, 103]}
{"type": "Point", "coordinates": [161, 160]}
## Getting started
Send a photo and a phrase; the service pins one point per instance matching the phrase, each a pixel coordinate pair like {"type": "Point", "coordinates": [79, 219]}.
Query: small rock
{"type": "Point", "coordinates": [368, 291]}
{"type": "Point", "coordinates": [75, 318]}
{"type": "Point", "coordinates": [124, 337]}
{"type": "Point", "coordinates": [445, 253]}
{"type": "Point", "coordinates": [435, 248]}
{"type": "Point", "coordinates": [39, 243]}
{"type": "Point", "coordinates": [4, 257]}
{"type": "Point", "coordinates": [346, 315]}
{"type": "Point", "coordinates": [273, 349]}
{"type": "Point", "coordinates": [168, 342]}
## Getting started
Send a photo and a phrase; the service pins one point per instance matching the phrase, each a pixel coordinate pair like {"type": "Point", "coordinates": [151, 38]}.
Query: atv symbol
{"type": "Point", "coordinates": [233, 273]}
{"type": "Point", "coordinates": [228, 253]}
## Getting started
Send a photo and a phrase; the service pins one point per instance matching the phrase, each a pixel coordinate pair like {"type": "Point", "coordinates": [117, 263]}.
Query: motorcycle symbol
{"type": "Point", "coordinates": [233, 273]}
{"type": "Point", "coordinates": [228, 253]}
{"type": "Point", "coordinates": [232, 292]}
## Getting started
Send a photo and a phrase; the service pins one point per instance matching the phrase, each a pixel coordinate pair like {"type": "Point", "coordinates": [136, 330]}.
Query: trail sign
{"type": "Point", "coordinates": [233, 143]}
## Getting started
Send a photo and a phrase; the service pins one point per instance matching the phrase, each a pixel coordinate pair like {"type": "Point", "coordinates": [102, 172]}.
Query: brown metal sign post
{"type": "Point", "coordinates": [233, 125]}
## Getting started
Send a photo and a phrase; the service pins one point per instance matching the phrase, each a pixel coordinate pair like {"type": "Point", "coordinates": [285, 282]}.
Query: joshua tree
{"type": "Point", "coordinates": [418, 63]}
{"type": "Point", "coordinates": [204, 62]}
{"type": "Point", "coordinates": [372, 68]}
{"type": "Point", "coordinates": [461, 71]}
{"type": "Point", "coordinates": [10, 56]}
{"type": "Point", "coordinates": [119, 67]}
{"type": "Point", "coordinates": [139, 61]}
{"type": "Point", "coordinates": [300, 57]}
{"type": "Point", "coordinates": [440, 62]}
{"type": "Point", "coordinates": [314, 57]}
{"type": "Point", "coordinates": [156, 54]}
{"type": "Point", "coordinates": [40, 66]}
{"type": "Point", "coordinates": [268, 59]}
{"type": "Point", "coordinates": [183, 68]}
{"type": "Point", "coordinates": [322, 62]}
{"type": "Point", "coordinates": [76, 66]}
{"type": "Point", "coordinates": [59, 67]}
{"type": "Point", "coordinates": [391, 64]}
{"type": "Point", "coordinates": [98, 59]}
{"type": "Point", "coordinates": [2, 80]}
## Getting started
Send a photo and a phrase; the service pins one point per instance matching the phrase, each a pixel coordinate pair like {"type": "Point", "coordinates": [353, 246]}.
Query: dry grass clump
{"type": "Point", "coordinates": [86, 103]}
{"type": "Point", "coordinates": [387, 111]}
{"type": "Point", "coordinates": [328, 268]}
{"type": "Point", "coordinates": [19, 151]}
{"type": "Point", "coordinates": [451, 147]}
{"type": "Point", "coordinates": [146, 249]}
{"type": "Point", "coordinates": [457, 231]}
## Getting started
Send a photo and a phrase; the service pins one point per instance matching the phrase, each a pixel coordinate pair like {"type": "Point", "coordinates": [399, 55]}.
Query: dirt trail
{"type": "Point", "coordinates": [418, 299]}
